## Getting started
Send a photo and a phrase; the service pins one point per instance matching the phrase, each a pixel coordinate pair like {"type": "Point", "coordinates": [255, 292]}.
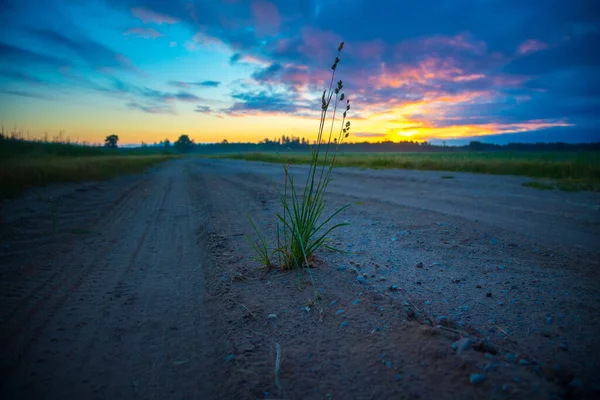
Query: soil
{"type": "Point", "coordinates": [145, 287]}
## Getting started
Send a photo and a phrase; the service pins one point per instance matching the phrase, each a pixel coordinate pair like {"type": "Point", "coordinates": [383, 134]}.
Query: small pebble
{"type": "Point", "coordinates": [549, 320]}
{"type": "Point", "coordinates": [399, 377]}
{"type": "Point", "coordinates": [361, 279]}
{"type": "Point", "coordinates": [272, 316]}
{"type": "Point", "coordinates": [419, 265]}
{"type": "Point", "coordinates": [477, 378]}
{"type": "Point", "coordinates": [524, 361]}
{"type": "Point", "coordinates": [393, 288]}
{"type": "Point", "coordinates": [355, 302]}
{"type": "Point", "coordinates": [333, 302]}
{"type": "Point", "coordinates": [510, 357]}
{"type": "Point", "coordinates": [462, 345]}
{"type": "Point", "coordinates": [442, 320]}
{"type": "Point", "coordinates": [576, 384]}
{"type": "Point", "coordinates": [488, 294]}
{"type": "Point", "coordinates": [489, 367]}
{"type": "Point", "coordinates": [344, 324]}
{"type": "Point", "coordinates": [339, 312]}
{"type": "Point", "coordinates": [564, 346]}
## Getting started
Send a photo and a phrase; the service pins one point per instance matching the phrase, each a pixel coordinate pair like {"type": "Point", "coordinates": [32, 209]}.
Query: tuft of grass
{"type": "Point", "coordinates": [302, 226]}
{"type": "Point", "coordinates": [447, 177]}
{"type": "Point", "coordinates": [538, 185]}
{"type": "Point", "coordinates": [17, 174]}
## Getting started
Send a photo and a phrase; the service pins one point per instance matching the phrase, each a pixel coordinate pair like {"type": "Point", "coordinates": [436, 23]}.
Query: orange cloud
{"type": "Point", "coordinates": [428, 70]}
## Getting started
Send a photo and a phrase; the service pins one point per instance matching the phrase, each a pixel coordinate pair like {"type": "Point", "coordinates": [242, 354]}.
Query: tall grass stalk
{"type": "Point", "coordinates": [303, 227]}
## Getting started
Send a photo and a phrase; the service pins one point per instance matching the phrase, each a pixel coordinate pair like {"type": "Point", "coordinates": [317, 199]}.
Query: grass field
{"type": "Point", "coordinates": [25, 163]}
{"type": "Point", "coordinates": [570, 171]}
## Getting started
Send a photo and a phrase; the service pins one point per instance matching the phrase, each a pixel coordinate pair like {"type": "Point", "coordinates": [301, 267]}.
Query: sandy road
{"type": "Point", "coordinates": [119, 312]}
{"type": "Point", "coordinates": [111, 297]}
{"type": "Point", "coordinates": [551, 218]}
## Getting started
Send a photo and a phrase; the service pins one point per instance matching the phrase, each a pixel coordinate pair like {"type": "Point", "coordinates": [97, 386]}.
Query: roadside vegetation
{"type": "Point", "coordinates": [570, 170]}
{"type": "Point", "coordinates": [538, 185]}
{"type": "Point", "coordinates": [303, 226]}
{"type": "Point", "coordinates": [26, 163]}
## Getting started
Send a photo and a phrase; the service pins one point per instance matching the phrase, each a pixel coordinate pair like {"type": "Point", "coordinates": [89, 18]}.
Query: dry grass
{"type": "Point", "coordinates": [17, 174]}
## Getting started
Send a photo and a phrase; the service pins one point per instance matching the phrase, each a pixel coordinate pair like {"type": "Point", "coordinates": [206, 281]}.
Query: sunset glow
{"type": "Point", "coordinates": [247, 70]}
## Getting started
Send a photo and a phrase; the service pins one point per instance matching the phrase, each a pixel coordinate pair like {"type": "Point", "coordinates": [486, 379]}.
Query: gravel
{"type": "Point", "coordinates": [476, 379]}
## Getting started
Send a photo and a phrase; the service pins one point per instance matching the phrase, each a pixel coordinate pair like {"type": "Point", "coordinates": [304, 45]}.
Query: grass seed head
{"type": "Point", "coordinates": [335, 63]}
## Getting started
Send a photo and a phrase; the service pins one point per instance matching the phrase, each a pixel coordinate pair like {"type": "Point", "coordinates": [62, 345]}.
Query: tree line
{"type": "Point", "coordinates": [298, 144]}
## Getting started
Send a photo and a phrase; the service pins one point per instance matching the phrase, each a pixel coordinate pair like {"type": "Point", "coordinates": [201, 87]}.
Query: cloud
{"type": "Point", "coordinates": [208, 83]}
{"type": "Point", "coordinates": [152, 17]}
{"type": "Point", "coordinates": [203, 40]}
{"type": "Point", "coordinates": [235, 58]}
{"type": "Point", "coordinates": [21, 76]}
{"type": "Point", "coordinates": [369, 135]}
{"type": "Point", "coordinates": [187, 85]}
{"type": "Point", "coordinates": [185, 96]}
{"type": "Point", "coordinates": [575, 53]}
{"type": "Point", "coordinates": [95, 54]}
{"type": "Point", "coordinates": [144, 33]}
{"type": "Point", "coordinates": [559, 134]}
{"type": "Point", "coordinates": [266, 17]}
{"type": "Point", "coordinates": [151, 108]}
{"type": "Point", "coordinates": [530, 46]}
{"type": "Point", "coordinates": [23, 93]}
{"type": "Point", "coordinates": [146, 99]}
{"type": "Point", "coordinates": [13, 55]}
{"type": "Point", "coordinates": [203, 109]}
{"type": "Point", "coordinates": [258, 102]}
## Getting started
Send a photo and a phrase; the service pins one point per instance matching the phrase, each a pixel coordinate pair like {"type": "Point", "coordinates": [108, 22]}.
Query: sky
{"type": "Point", "coordinates": [243, 70]}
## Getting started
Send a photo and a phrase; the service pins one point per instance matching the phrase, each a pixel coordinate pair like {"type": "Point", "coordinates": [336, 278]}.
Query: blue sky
{"type": "Point", "coordinates": [494, 70]}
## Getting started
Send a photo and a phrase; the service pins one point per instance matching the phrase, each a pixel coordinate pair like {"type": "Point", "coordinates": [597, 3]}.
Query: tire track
{"type": "Point", "coordinates": [108, 309]}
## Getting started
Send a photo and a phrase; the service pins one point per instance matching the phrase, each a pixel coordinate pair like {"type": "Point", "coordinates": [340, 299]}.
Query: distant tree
{"type": "Point", "coordinates": [167, 143]}
{"type": "Point", "coordinates": [111, 141]}
{"type": "Point", "coordinates": [225, 141]}
{"type": "Point", "coordinates": [184, 144]}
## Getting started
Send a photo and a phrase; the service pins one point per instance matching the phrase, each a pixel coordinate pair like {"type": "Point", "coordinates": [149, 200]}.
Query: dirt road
{"type": "Point", "coordinates": [144, 287]}
{"type": "Point", "coordinates": [113, 307]}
